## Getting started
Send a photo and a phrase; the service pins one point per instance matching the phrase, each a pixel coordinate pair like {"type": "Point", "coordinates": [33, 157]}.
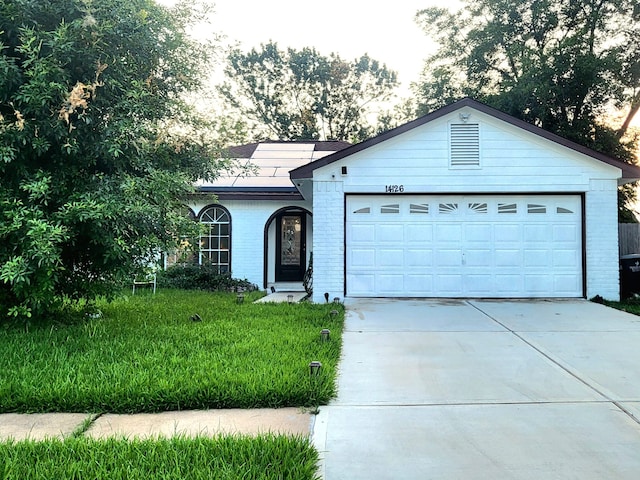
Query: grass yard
{"type": "Point", "coordinates": [630, 305]}
{"type": "Point", "coordinates": [146, 354]}
{"type": "Point", "coordinates": [225, 458]}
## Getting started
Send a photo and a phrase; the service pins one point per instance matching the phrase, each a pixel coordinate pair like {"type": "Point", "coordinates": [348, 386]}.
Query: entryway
{"type": "Point", "coordinates": [291, 235]}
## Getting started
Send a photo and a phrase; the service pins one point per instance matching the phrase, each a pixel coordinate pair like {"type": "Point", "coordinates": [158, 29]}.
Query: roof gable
{"type": "Point", "coordinates": [629, 172]}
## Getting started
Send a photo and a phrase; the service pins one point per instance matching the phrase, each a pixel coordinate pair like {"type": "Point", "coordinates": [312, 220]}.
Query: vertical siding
{"type": "Point", "coordinates": [629, 238]}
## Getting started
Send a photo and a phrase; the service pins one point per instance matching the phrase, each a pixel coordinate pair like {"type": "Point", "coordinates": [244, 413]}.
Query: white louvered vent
{"type": "Point", "coordinates": [465, 144]}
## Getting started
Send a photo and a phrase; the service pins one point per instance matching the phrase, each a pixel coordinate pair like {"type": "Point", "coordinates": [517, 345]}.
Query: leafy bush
{"type": "Point", "coordinates": [202, 277]}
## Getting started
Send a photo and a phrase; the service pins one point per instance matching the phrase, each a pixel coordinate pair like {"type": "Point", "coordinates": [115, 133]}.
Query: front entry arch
{"type": "Point", "coordinates": [286, 237]}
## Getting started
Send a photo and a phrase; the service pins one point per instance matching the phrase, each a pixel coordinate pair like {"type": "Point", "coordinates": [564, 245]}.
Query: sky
{"type": "Point", "coordinates": [387, 33]}
{"type": "Point", "coordinates": [351, 28]}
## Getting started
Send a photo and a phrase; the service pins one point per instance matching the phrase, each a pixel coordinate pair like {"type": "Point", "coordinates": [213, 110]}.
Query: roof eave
{"type": "Point", "coordinates": [630, 173]}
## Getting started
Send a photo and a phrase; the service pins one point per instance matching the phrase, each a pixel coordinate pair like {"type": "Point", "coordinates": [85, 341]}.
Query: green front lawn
{"type": "Point", "coordinates": [146, 354]}
{"type": "Point", "coordinates": [224, 458]}
{"type": "Point", "coordinates": [630, 305]}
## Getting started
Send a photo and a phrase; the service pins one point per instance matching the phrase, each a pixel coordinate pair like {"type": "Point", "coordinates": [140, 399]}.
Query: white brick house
{"type": "Point", "coordinates": [463, 202]}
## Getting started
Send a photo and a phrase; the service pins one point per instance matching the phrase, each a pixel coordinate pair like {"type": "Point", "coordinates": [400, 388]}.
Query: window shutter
{"type": "Point", "coordinates": [465, 144]}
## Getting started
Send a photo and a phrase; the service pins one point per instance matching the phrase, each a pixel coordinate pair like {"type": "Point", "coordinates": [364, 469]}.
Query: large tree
{"type": "Point", "coordinates": [300, 94]}
{"type": "Point", "coordinates": [91, 166]}
{"type": "Point", "coordinates": [563, 65]}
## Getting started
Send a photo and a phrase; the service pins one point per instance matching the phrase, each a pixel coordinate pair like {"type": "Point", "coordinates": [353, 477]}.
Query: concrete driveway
{"type": "Point", "coordinates": [474, 389]}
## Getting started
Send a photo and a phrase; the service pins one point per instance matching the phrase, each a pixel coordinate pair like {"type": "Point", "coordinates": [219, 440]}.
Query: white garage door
{"type": "Point", "coordinates": [464, 246]}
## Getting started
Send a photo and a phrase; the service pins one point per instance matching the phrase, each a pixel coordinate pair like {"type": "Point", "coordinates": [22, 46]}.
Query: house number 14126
{"type": "Point", "coordinates": [394, 188]}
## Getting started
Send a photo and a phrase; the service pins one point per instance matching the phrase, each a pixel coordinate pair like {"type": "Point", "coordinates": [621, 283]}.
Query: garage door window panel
{"type": "Point", "coordinates": [419, 208]}
{"type": "Point", "coordinates": [394, 208]}
{"type": "Point", "coordinates": [478, 208]}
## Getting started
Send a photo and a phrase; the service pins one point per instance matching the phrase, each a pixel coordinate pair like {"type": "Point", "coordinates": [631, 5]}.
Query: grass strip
{"type": "Point", "coordinates": [233, 457]}
{"type": "Point", "coordinates": [147, 354]}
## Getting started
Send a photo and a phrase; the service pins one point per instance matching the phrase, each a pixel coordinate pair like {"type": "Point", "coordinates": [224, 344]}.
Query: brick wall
{"type": "Point", "coordinates": [602, 240]}
{"type": "Point", "coordinates": [328, 243]}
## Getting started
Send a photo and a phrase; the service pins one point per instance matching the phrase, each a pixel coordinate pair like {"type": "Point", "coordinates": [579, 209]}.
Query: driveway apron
{"type": "Point", "coordinates": [479, 389]}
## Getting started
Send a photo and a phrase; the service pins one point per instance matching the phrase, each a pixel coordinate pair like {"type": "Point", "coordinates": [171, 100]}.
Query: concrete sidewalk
{"type": "Point", "coordinates": [524, 390]}
{"type": "Point", "coordinates": [190, 423]}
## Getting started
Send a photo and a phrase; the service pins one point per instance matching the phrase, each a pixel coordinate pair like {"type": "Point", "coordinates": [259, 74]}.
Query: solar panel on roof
{"type": "Point", "coordinates": [272, 162]}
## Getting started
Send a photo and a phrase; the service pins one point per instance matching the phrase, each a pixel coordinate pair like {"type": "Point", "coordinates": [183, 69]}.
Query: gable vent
{"type": "Point", "coordinates": [465, 144]}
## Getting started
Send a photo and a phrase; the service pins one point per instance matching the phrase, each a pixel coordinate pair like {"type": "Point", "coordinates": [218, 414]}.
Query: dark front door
{"type": "Point", "coordinates": [291, 235]}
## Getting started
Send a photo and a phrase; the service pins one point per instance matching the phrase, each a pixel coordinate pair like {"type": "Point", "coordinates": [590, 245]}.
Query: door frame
{"type": "Point", "coordinates": [295, 273]}
{"type": "Point", "coordinates": [271, 253]}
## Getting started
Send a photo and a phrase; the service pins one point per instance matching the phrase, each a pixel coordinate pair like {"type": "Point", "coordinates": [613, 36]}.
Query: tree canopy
{"type": "Point", "coordinates": [300, 94]}
{"type": "Point", "coordinates": [563, 65]}
{"type": "Point", "coordinates": [92, 169]}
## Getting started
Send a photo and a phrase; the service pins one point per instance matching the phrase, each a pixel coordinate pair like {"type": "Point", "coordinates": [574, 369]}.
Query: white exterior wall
{"type": "Point", "coordinates": [602, 240]}
{"type": "Point", "coordinates": [248, 221]}
{"type": "Point", "coordinates": [328, 246]}
{"type": "Point", "coordinates": [512, 161]}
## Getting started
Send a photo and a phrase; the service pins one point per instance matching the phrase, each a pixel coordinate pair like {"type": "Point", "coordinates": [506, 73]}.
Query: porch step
{"type": "Point", "coordinates": [286, 287]}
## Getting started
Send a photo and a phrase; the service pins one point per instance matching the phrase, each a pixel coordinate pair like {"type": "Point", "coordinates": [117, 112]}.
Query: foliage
{"type": "Point", "coordinates": [303, 95]}
{"type": "Point", "coordinates": [266, 457]}
{"type": "Point", "coordinates": [560, 64]}
{"type": "Point", "coordinates": [150, 353]}
{"type": "Point", "coordinates": [92, 167]}
{"type": "Point", "coordinates": [201, 277]}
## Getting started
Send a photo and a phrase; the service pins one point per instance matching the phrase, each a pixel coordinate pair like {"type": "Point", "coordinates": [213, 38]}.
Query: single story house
{"type": "Point", "coordinates": [463, 202]}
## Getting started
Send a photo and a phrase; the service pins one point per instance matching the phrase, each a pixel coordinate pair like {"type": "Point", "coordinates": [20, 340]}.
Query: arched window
{"type": "Point", "coordinates": [215, 243]}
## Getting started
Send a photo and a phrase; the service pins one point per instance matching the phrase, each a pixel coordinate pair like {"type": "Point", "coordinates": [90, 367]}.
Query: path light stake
{"type": "Point", "coordinates": [326, 297]}
{"type": "Point", "coordinates": [324, 334]}
{"type": "Point", "coordinates": [290, 298]}
{"type": "Point", "coordinates": [240, 298]}
{"type": "Point", "coordinates": [314, 368]}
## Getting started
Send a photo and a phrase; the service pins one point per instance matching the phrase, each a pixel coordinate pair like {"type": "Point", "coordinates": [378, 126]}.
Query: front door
{"type": "Point", "coordinates": [291, 246]}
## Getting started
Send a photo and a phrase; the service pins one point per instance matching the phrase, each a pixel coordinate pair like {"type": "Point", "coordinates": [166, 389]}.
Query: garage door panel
{"type": "Point", "coordinates": [390, 233]}
{"type": "Point", "coordinates": [538, 284]}
{"type": "Point", "coordinates": [390, 257]}
{"type": "Point", "coordinates": [449, 258]}
{"type": "Point", "coordinates": [481, 233]}
{"type": "Point", "coordinates": [479, 284]}
{"type": "Point", "coordinates": [448, 233]}
{"type": "Point", "coordinates": [508, 284]}
{"type": "Point", "coordinates": [418, 233]}
{"type": "Point", "coordinates": [449, 285]}
{"type": "Point", "coordinates": [417, 284]}
{"type": "Point", "coordinates": [464, 246]}
{"type": "Point", "coordinates": [508, 233]}
{"type": "Point", "coordinates": [566, 283]}
{"type": "Point", "coordinates": [507, 258]}
{"type": "Point", "coordinates": [537, 233]}
{"type": "Point", "coordinates": [363, 233]}
{"type": "Point", "coordinates": [566, 258]}
{"type": "Point", "coordinates": [419, 257]}
{"type": "Point", "coordinates": [362, 284]}
{"type": "Point", "coordinates": [390, 284]}
{"type": "Point", "coordinates": [565, 233]}
{"type": "Point", "coordinates": [478, 257]}
{"type": "Point", "coordinates": [365, 258]}
{"type": "Point", "coordinates": [536, 258]}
